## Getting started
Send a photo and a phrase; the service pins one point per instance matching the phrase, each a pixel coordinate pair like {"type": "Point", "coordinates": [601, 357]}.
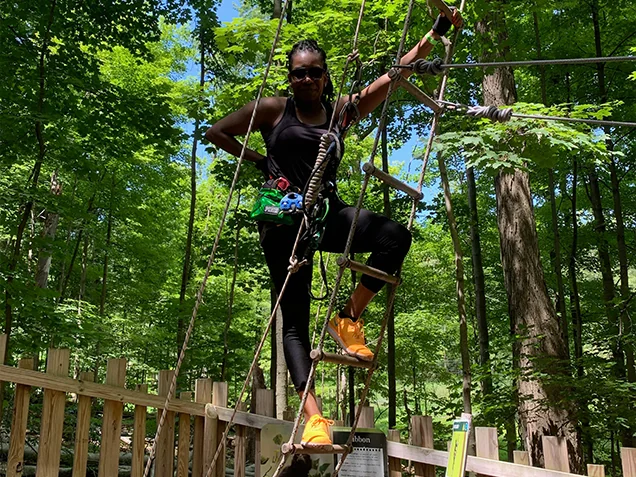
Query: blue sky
{"type": "Point", "coordinates": [227, 11]}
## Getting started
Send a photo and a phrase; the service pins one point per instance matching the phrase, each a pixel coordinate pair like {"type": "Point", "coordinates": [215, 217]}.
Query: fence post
{"type": "Point", "coordinates": [487, 445]}
{"type": "Point", "coordinates": [422, 436]}
{"type": "Point", "coordinates": [367, 417]}
{"type": "Point", "coordinates": [219, 398]}
{"type": "Point", "coordinates": [239, 446]}
{"type": "Point", "coordinates": [15, 461]}
{"type": "Point", "coordinates": [555, 453]}
{"type": "Point", "coordinates": [111, 424]}
{"type": "Point", "coordinates": [628, 456]}
{"type": "Point", "coordinates": [264, 407]}
{"type": "Point", "coordinates": [487, 442]}
{"type": "Point", "coordinates": [139, 436]}
{"type": "Point", "coordinates": [521, 457]}
{"type": "Point", "coordinates": [164, 462]}
{"type": "Point", "coordinates": [201, 446]}
{"type": "Point", "coordinates": [395, 465]}
{"type": "Point", "coordinates": [594, 470]}
{"type": "Point", "coordinates": [84, 404]}
{"type": "Point", "coordinates": [183, 451]}
{"type": "Point", "coordinates": [48, 464]}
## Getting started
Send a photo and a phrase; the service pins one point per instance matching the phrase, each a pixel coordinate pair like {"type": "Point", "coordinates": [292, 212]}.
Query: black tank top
{"type": "Point", "coordinates": [292, 146]}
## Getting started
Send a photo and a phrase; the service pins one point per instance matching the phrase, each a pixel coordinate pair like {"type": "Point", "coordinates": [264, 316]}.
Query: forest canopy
{"type": "Point", "coordinates": [111, 199]}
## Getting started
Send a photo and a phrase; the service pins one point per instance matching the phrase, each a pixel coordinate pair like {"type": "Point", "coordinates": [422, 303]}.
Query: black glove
{"type": "Point", "coordinates": [442, 25]}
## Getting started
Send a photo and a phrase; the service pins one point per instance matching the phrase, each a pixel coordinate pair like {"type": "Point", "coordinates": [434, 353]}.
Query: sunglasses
{"type": "Point", "coordinates": [315, 73]}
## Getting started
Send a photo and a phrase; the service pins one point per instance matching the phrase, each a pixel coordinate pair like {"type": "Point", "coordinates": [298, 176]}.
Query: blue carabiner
{"type": "Point", "coordinates": [291, 203]}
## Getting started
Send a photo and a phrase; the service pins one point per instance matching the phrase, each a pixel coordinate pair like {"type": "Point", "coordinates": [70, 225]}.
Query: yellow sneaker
{"type": "Point", "coordinates": [350, 336]}
{"type": "Point", "coordinates": [316, 432]}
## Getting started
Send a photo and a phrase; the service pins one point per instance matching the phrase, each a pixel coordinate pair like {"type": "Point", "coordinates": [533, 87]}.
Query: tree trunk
{"type": "Point", "coordinates": [624, 274]}
{"type": "Point", "coordinates": [537, 38]}
{"type": "Point", "coordinates": [230, 305]}
{"type": "Point", "coordinates": [391, 319]}
{"type": "Point", "coordinates": [28, 207]}
{"type": "Point", "coordinates": [82, 285]}
{"type": "Point", "coordinates": [575, 302]}
{"type": "Point", "coordinates": [48, 234]}
{"type": "Point", "coordinates": [109, 234]}
{"type": "Point", "coordinates": [542, 348]}
{"type": "Point", "coordinates": [624, 349]}
{"type": "Point", "coordinates": [543, 408]}
{"type": "Point", "coordinates": [185, 274]}
{"type": "Point", "coordinates": [280, 373]}
{"type": "Point", "coordinates": [606, 274]}
{"type": "Point", "coordinates": [558, 270]}
{"type": "Point", "coordinates": [459, 277]}
{"type": "Point", "coordinates": [34, 179]}
{"type": "Point", "coordinates": [480, 286]}
{"type": "Point", "coordinates": [352, 371]}
{"type": "Point", "coordinates": [577, 325]}
{"type": "Point", "coordinates": [278, 9]}
{"type": "Point", "coordinates": [66, 274]}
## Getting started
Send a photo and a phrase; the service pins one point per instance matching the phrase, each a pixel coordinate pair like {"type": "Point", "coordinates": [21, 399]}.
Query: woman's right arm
{"type": "Point", "coordinates": [222, 134]}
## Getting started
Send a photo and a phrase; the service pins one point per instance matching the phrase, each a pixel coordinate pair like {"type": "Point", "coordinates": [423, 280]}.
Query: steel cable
{"type": "Point", "coordinates": [436, 66]}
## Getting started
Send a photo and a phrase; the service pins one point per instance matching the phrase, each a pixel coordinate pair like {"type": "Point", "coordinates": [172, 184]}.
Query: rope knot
{"type": "Point", "coordinates": [295, 264]}
{"type": "Point", "coordinates": [353, 56]}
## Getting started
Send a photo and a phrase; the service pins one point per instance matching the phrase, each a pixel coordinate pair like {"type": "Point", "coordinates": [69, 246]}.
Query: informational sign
{"type": "Point", "coordinates": [369, 456]}
{"type": "Point", "coordinates": [459, 447]}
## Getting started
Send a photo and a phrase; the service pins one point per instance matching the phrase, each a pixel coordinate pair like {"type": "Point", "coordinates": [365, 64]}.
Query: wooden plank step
{"type": "Point", "coordinates": [367, 270]}
{"type": "Point", "coordinates": [337, 358]}
{"type": "Point", "coordinates": [300, 449]}
{"type": "Point", "coordinates": [392, 181]}
{"type": "Point", "coordinates": [416, 92]}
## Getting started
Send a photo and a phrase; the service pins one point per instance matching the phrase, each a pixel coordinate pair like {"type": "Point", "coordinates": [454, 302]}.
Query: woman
{"type": "Point", "coordinates": [291, 128]}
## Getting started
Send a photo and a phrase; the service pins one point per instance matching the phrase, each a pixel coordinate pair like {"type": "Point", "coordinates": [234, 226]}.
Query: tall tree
{"type": "Point", "coordinates": [386, 195]}
{"type": "Point", "coordinates": [479, 284]}
{"type": "Point", "coordinates": [619, 320]}
{"type": "Point", "coordinates": [541, 409]}
{"type": "Point", "coordinates": [187, 259]}
{"type": "Point", "coordinates": [51, 220]}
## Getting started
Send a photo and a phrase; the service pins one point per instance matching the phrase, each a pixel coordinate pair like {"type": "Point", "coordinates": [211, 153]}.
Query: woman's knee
{"type": "Point", "coordinates": [397, 237]}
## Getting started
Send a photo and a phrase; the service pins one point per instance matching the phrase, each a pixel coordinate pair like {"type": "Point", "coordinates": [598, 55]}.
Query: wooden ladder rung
{"type": "Point", "coordinates": [416, 92]}
{"type": "Point", "coordinates": [336, 358]}
{"type": "Point", "coordinates": [392, 181]}
{"type": "Point", "coordinates": [300, 449]}
{"type": "Point", "coordinates": [367, 270]}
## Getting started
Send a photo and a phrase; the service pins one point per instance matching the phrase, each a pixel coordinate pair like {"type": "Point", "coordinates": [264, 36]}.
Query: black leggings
{"type": "Point", "coordinates": [388, 242]}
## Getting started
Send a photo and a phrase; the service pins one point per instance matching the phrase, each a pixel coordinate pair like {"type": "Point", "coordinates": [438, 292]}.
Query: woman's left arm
{"type": "Point", "coordinates": [373, 95]}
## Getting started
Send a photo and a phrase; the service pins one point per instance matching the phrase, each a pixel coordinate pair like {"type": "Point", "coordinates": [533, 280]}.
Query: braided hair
{"type": "Point", "coordinates": [312, 46]}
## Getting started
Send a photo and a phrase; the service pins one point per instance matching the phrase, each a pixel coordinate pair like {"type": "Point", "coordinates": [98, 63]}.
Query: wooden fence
{"type": "Point", "coordinates": [182, 454]}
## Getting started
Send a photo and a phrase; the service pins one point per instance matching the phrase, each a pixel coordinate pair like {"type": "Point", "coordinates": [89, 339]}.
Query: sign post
{"type": "Point", "coordinates": [459, 447]}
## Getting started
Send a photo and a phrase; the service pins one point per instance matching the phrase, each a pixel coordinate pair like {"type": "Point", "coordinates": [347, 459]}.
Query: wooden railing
{"type": "Point", "coordinates": [207, 416]}
{"type": "Point", "coordinates": [424, 458]}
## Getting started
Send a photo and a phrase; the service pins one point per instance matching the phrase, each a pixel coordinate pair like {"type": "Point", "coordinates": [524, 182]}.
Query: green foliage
{"type": "Point", "coordinates": [116, 104]}
{"type": "Point", "coordinates": [521, 144]}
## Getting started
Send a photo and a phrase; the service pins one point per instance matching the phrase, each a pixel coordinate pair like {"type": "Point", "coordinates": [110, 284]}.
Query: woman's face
{"type": "Point", "coordinates": [307, 77]}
